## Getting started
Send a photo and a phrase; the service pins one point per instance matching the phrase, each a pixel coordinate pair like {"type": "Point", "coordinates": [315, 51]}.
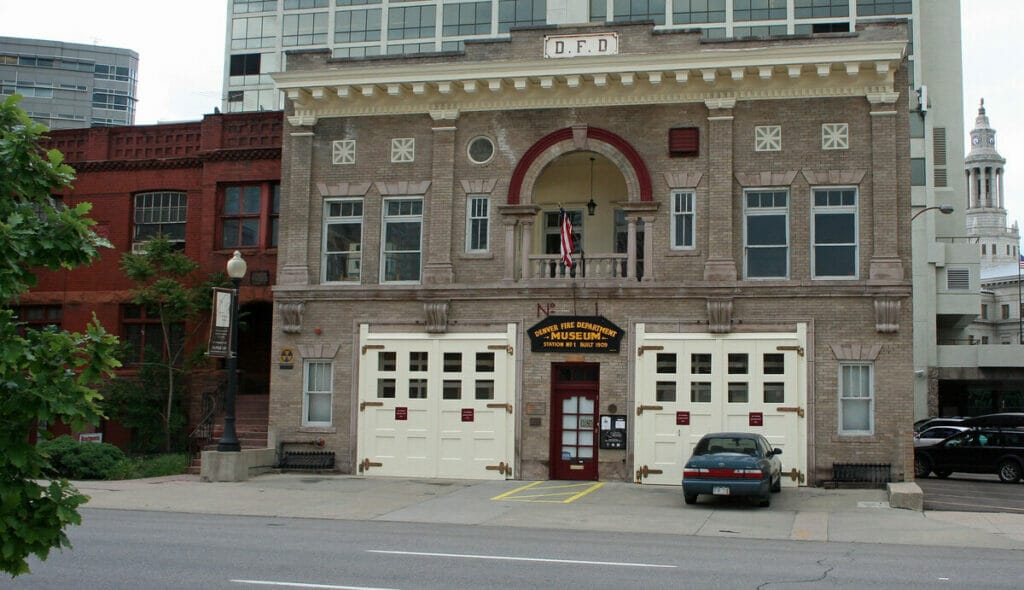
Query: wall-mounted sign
{"type": "Point", "coordinates": [575, 334]}
{"type": "Point", "coordinates": [682, 418]}
{"type": "Point", "coordinates": [467, 414]}
{"type": "Point", "coordinates": [613, 431]}
{"type": "Point", "coordinates": [556, 46]}
{"type": "Point", "coordinates": [756, 419]}
{"type": "Point", "coordinates": [286, 358]}
{"type": "Point", "coordinates": [401, 413]}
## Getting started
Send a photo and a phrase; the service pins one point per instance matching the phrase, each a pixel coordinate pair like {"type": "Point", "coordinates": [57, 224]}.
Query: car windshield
{"type": "Point", "coordinates": [712, 445]}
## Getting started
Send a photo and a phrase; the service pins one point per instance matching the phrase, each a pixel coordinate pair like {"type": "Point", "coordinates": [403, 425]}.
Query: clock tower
{"type": "Point", "coordinates": [986, 212]}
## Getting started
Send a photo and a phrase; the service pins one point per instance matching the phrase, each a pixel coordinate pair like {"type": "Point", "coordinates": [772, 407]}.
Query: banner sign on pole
{"type": "Point", "coordinates": [220, 323]}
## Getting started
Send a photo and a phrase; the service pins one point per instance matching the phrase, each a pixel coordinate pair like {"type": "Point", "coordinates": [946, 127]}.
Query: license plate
{"type": "Point", "coordinates": [720, 491]}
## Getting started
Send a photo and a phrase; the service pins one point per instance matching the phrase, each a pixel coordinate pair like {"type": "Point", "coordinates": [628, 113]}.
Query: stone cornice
{"type": "Point", "coordinates": [717, 75]}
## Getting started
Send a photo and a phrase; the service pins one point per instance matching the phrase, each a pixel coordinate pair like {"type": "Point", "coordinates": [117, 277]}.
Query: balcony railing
{"type": "Point", "coordinates": [599, 266]}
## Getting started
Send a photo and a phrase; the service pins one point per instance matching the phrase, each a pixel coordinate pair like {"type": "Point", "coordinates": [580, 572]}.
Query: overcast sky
{"type": "Point", "coordinates": [181, 59]}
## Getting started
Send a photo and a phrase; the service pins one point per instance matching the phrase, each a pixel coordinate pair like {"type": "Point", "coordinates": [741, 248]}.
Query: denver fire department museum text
{"type": "Point", "coordinates": [740, 219]}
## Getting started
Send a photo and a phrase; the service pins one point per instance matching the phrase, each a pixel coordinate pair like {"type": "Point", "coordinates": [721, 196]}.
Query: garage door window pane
{"type": "Point", "coordinates": [774, 364]}
{"type": "Point", "coordinates": [666, 363]}
{"type": "Point", "coordinates": [386, 361]}
{"type": "Point", "coordinates": [485, 390]}
{"type": "Point", "coordinates": [417, 389]}
{"type": "Point", "coordinates": [485, 362]}
{"type": "Point", "coordinates": [452, 362]}
{"type": "Point", "coordinates": [665, 391]}
{"type": "Point", "coordinates": [700, 364]}
{"type": "Point", "coordinates": [774, 393]}
{"type": "Point", "coordinates": [700, 392]}
{"type": "Point", "coordinates": [738, 393]}
{"type": "Point", "coordinates": [417, 361]}
{"type": "Point", "coordinates": [386, 388]}
{"type": "Point", "coordinates": [738, 364]}
{"type": "Point", "coordinates": [452, 389]}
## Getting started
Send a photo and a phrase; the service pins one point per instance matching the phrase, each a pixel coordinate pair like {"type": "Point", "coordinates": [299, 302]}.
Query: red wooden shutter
{"type": "Point", "coordinates": [683, 142]}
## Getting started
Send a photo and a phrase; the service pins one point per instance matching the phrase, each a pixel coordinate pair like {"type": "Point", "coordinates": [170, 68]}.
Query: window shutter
{"type": "Point", "coordinates": [683, 142]}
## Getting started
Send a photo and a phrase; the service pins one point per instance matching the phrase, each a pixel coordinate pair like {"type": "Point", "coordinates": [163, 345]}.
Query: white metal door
{"type": "Point", "coordinates": [690, 384]}
{"type": "Point", "coordinates": [437, 406]}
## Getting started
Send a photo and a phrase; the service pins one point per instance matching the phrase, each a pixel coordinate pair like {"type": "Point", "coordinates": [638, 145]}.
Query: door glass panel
{"type": "Point", "coordinates": [417, 361]}
{"type": "Point", "coordinates": [700, 364]}
{"type": "Point", "coordinates": [738, 364]}
{"type": "Point", "coordinates": [774, 364]}
{"type": "Point", "coordinates": [665, 391]}
{"type": "Point", "coordinates": [569, 422]}
{"type": "Point", "coordinates": [568, 437]}
{"type": "Point", "coordinates": [417, 389]}
{"type": "Point", "coordinates": [568, 452]}
{"type": "Point", "coordinates": [452, 362]}
{"type": "Point", "coordinates": [485, 362]}
{"type": "Point", "coordinates": [587, 437]}
{"type": "Point", "coordinates": [586, 452]}
{"type": "Point", "coordinates": [385, 388]}
{"type": "Point", "coordinates": [586, 406]}
{"type": "Point", "coordinates": [738, 393]}
{"type": "Point", "coordinates": [484, 389]}
{"type": "Point", "coordinates": [570, 405]}
{"type": "Point", "coordinates": [666, 363]}
{"type": "Point", "coordinates": [386, 361]}
{"type": "Point", "coordinates": [774, 393]}
{"type": "Point", "coordinates": [452, 389]}
{"type": "Point", "coordinates": [700, 392]}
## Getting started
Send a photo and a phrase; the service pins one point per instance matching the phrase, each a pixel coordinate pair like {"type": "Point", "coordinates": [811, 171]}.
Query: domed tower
{"type": "Point", "coordinates": [986, 212]}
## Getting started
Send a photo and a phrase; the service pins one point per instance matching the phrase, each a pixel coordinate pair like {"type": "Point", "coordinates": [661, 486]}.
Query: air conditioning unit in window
{"type": "Point", "coordinates": [138, 247]}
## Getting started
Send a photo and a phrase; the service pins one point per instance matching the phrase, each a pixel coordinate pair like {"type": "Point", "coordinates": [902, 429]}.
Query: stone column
{"type": "Point", "coordinates": [648, 248]}
{"type": "Point", "coordinates": [630, 247]}
{"type": "Point", "coordinates": [973, 188]}
{"type": "Point", "coordinates": [885, 264]}
{"type": "Point", "coordinates": [1002, 197]}
{"type": "Point", "coordinates": [293, 247]}
{"type": "Point", "coordinates": [526, 226]}
{"type": "Point", "coordinates": [720, 264]}
{"type": "Point", "coordinates": [438, 269]}
{"type": "Point", "coordinates": [509, 224]}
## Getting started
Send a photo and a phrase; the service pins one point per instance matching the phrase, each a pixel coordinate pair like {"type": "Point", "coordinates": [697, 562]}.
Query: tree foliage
{"type": "Point", "coordinates": [45, 375]}
{"type": "Point", "coordinates": [170, 284]}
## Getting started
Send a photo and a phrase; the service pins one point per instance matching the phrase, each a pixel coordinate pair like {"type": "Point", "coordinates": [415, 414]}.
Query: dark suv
{"type": "Point", "coordinates": [979, 450]}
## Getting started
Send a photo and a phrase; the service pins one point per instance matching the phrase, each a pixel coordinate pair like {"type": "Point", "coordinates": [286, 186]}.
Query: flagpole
{"type": "Point", "coordinates": [1020, 315]}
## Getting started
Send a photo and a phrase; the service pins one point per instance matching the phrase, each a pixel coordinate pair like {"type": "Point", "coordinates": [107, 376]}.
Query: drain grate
{"type": "Point", "coordinates": [875, 474]}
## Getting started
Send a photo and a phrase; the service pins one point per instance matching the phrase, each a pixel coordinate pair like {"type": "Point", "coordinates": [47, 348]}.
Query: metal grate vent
{"type": "Point", "coordinates": [958, 278]}
{"type": "Point", "coordinates": [865, 473]}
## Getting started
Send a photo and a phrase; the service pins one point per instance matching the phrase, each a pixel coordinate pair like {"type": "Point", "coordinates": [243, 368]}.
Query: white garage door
{"type": "Point", "coordinates": [690, 384]}
{"type": "Point", "coordinates": [437, 406]}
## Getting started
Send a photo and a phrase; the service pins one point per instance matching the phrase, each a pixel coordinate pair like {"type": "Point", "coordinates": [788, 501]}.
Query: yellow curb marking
{"type": "Point", "coordinates": [511, 495]}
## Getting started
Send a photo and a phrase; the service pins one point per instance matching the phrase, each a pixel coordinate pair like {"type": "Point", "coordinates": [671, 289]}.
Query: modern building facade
{"type": "Point", "coordinates": [212, 186]}
{"type": "Point", "coordinates": [70, 85]}
{"type": "Point", "coordinates": [740, 216]}
{"type": "Point", "coordinates": [261, 32]}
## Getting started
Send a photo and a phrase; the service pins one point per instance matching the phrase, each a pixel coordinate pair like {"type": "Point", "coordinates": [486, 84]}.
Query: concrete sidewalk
{"type": "Point", "coordinates": [804, 514]}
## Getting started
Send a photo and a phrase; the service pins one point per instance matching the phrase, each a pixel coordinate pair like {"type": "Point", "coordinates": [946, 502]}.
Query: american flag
{"type": "Point", "coordinates": [566, 239]}
{"type": "Point", "coordinates": [1021, 265]}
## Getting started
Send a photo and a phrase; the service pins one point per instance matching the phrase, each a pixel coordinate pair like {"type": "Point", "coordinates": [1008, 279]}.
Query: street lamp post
{"type": "Point", "coordinates": [229, 439]}
{"type": "Point", "coordinates": [944, 209]}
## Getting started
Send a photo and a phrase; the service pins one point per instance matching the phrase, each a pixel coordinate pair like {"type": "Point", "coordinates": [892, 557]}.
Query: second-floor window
{"type": "Point", "coordinates": [343, 240]}
{"type": "Point", "coordinates": [766, 234]}
{"type": "Point", "coordinates": [477, 218]}
{"type": "Point", "coordinates": [402, 241]}
{"type": "Point", "coordinates": [834, 232]}
{"type": "Point", "coordinates": [160, 213]}
{"type": "Point", "coordinates": [682, 220]}
{"type": "Point", "coordinates": [249, 215]}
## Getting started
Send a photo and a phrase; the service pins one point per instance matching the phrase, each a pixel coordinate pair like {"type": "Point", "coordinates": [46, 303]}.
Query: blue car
{"type": "Point", "coordinates": [733, 464]}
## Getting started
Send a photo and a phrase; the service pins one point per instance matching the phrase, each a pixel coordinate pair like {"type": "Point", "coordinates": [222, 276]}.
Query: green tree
{"type": "Point", "coordinates": [45, 375]}
{"type": "Point", "coordinates": [169, 283]}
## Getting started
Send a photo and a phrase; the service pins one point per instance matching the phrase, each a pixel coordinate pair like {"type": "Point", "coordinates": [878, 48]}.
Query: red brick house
{"type": "Point", "coordinates": [212, 185]}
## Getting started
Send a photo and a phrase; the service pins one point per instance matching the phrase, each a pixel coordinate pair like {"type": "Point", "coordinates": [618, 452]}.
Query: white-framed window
{"type": "Point", "coordinates": [343, 151]}
{"type": "Point", "coordinates": [402, 241]}
{"type": "Point", "coordinates": [856, 398]}
{"type": "Point", "coordinates": [683, 220]}
{"type": "Point", "coordinates": [835, 136]}
{"type": "Point", "coordinates": [343, 241]}
{"type": "Point", "coordinates": [766, 233]}
{"type": "Point", "coordinates": [768, 138]}
{"type": "Point", "coordinates": [834, 233]}
{"type": "Point", "coordinates": [403, 149]}
{"type": "Point", "coordinates": [317, 392]}
{"type": "Point", "coordinates": [477, 223]}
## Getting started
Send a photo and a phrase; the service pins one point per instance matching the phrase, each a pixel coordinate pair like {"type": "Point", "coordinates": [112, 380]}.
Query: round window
{"type": "Point", "coordinates": [481, 149]}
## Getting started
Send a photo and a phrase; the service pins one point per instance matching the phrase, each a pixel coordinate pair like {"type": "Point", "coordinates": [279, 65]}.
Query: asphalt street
{"type": "Point", "coordinates": [972, 493]}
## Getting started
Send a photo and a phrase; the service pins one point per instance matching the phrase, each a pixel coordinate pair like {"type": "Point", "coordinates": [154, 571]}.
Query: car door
{"type": "Point", "coordinates": [956, 453]}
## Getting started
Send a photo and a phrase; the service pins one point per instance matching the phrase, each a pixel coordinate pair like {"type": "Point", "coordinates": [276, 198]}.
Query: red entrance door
{"type": "Point", "coordinates": [574, 403]}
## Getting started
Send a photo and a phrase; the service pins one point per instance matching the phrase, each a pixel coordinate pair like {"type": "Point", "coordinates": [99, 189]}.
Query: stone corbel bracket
{"type": "Point", "coordinates": [887, 315]}
{"type": "Point", "coordinates": [436, 314]}
{"type": "Point", "coordinates": [720, 316]}
{"type": "Point", "coordinates": [291, 316]}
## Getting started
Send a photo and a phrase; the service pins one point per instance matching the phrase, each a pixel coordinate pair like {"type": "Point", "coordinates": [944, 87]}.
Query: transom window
{"type": "Point", "coordinates": [402, 240]}
{"type": "Point", "coordinates": [766, 233]}
{"type": "Point", "coordinates": [343, 241]}
{"type": "Point", "coordinates": [477, 223]}
{"type": "Point", "coordinates": [160, 214]}
{"type": "Point", "coordinates": [683, 217]}
{"type": "Point", "coordinates": [834, 233]}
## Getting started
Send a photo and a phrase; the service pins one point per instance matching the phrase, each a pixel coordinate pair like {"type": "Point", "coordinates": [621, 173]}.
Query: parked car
{"type": "Point", "coordinates": [936, 434]}
{"type": "Point", "coordinates": [976, 450]}
{"type": "Point", "coordinates": [733, 464]}
{"type": "Point", "coordinates": [922, 425]}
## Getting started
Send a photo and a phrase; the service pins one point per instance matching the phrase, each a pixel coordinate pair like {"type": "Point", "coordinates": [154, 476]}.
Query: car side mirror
{"type": "Point", "coordinates": [776, 451]}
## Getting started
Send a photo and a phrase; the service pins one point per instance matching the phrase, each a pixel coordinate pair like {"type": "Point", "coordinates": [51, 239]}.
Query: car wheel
{"type": "Point", "coordinates": [942, 473]}
{"type": "Point", "coordinates": [922, 467]}
{"type": "Point", "coordinates": [765, 501]}
{"type": "Point", "coordinates": [1009, 471]}
{"type": "Point", "coordinates": [690, 498]}
{"type": "Point", "coordinates": [777, 486]}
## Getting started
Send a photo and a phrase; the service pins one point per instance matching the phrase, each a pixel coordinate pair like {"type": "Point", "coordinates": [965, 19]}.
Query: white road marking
{"type": "Point", "coordinates": [534, 559]}
{"type": "Point", "coordinates": [302, 585]}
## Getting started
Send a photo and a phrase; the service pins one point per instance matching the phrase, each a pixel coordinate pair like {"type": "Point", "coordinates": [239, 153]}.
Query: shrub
{"type": "Point", "coordinates": [75, 460]}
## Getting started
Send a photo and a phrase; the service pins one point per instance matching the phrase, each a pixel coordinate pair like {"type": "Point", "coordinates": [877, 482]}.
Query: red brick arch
{"type": "Point", "coordinates": [608, 143]}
